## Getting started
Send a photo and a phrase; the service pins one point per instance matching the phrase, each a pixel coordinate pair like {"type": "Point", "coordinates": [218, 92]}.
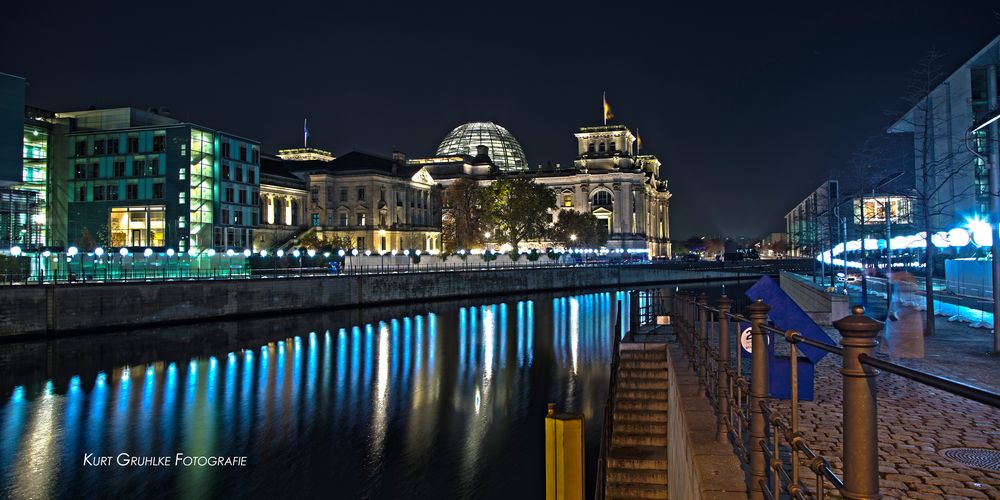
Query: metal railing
{"type": "Point", "coordinates": [608, 429]}
{"type": "Point", "coordinates": [768, 438]}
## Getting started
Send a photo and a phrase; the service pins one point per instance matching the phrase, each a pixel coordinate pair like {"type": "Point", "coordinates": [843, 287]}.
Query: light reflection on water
{"type": "Point", "coordinates": [441, 404]}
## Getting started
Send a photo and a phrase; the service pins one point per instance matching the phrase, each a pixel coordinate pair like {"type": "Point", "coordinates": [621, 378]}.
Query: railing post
{"type": "Point", "coordinates": [633, 313]}
{"type": "Point", "coordinates": [722, 432]}
{"type": "Point", "coordinates": [758, 393]}
{"type": "Point", "coordinates": [703, 341]}
{"type": "Point", "coordinates": [860, 410]}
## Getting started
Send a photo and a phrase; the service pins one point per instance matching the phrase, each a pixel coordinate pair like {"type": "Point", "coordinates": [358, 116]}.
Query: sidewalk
{"type": "Point", "coordinates": [917, 423]}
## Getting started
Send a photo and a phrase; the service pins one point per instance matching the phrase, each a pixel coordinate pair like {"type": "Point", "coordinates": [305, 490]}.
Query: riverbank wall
{"type": "Point", "coordinates": [41, 310]}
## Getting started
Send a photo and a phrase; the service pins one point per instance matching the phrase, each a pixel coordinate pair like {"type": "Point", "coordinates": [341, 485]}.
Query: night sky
{"type": "Point", "coordinates": [750, 105]}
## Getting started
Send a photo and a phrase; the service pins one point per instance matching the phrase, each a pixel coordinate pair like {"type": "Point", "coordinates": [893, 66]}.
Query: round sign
{"type": "Point", "coordinates": [746, 340]}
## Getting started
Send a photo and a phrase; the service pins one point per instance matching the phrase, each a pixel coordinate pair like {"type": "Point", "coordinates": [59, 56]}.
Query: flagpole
{"type": "Point", "coordinates": [305, 132]}
{"type": "Point", "coordinates": [604, 110]}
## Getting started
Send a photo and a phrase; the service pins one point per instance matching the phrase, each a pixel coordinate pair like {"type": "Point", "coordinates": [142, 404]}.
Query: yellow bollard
{"type": "Point", "coordinates": [563, 455]}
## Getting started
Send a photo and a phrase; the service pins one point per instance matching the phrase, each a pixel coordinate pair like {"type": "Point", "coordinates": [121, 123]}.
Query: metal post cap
{"type": "Point", "coordinates": [702, 298]}
{"type": "Point", "coordinates": [723, 301]}
{"type": "Point", "coordinates": [857, 324]}
{"type": "Point", "coordinates": [759, 309]}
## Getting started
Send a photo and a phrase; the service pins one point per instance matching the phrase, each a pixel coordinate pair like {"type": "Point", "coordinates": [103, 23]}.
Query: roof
{"type": "Point", "coordinates": [353, 162]}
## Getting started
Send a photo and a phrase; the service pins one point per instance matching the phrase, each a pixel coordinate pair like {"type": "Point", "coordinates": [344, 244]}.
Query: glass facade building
{"type": "Point", "coordinates": [173, 185]}
{"type": "Point", "coordinates": [504, 149]}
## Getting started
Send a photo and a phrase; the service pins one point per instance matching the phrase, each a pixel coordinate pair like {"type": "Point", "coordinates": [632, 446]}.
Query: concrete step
{"type": "Point", "coordinates": [641, 476]}
{"type": "Point", "coordinates": [641, 404]}
{"type": "Point", "coordinates": [638, 457]}
{"type": "Point", "coordinates": [631, 364]}
{"type": "Point", "coordinates": [642, 383]}
{"type": "Point", "coordinates": [629, 372]}
{"type": "Point", "coordinates": [638, 439]}
{"type": "Point", "coordinates": [640, 416]}
{"type": "Point", "coordinates": [629, 393]}
{"type": "Point", "coordinates": [636, 427]}
{"type": "Point", "coordinates": [636, 490]}
{"type": "Point", "coordinates": [645, 355]}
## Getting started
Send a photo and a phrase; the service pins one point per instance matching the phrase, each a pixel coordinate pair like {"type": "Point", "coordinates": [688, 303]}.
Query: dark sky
{"type": "Point", "coordinates": [748, 104]}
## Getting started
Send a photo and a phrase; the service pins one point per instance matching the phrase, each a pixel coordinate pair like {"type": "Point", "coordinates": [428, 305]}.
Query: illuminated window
{"type": "Point", "coordinates": [602, 199]}
{"type": "Point", "coordinates": [137, 226]}
{"type": "Point", "coordinates": [567, 200]}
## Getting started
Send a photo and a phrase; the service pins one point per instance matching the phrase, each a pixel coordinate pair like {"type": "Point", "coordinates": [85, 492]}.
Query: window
{"type": "Point", "coordinates": [314, 194]}
{"type": "Point", "coordinates": [98, 193]}
{"type": "Point", "coordinates": [361, 218]}
{"type": "Point", "coordinates": [154, 166]}
{"type": "Point", "coordinates": [138, 167]}
{"type": "Point", "coordinates": [343, 219]}
{"type": "Point", "coordinates": [251, 175]}
{"type": "Point", "coordinates": [237, 216]}
{"type": "Point", "coordinates": [137, 226]}
{"type": "Point", "coordinates": [182, 173]}
{"type": "Point", "coordinates": [381, 194]}
{"type": "Point", "coordinates": [133, 144]}
{"type": "Point", "coordinates": [225, 149]}
{"type": "Point", "coordinates": [225, 216]}
{"type": "Point", "coordinates": [81, 194]}
{"type": "Point", "coordinates": [602, 199]}
{"type": "Point", "coordinates": [225, 171]}
{"type": "Point", "coordinates": [361, 243]}
{"type": "Point", "coordinates": [118, 168]}
{"type": "Point", "coordinates": [611, 147]}
{"type": "Point", "coordinates": [315, 219]}
{"type": "Point", "coordinates": [181, 197]}
{"type": "Point", "coordinates": [590, 148]}
{"type": "Point", "coordinates": [132, 192]}
{"type": "Point", "coordinates": [158, 191]}
{"type": "Point", "coordinates": [80, 171]}
{"type": "Point", "coordinates": [567, 200]}
{"type": "Point", "coordinates": [159, 143]}
{"type": "Point", "coordinates": [383, 243]}
{"type": "Point", "coordinates": [238, 170]}
{"type": "Point", "coordinates": [343, 194]}
{"type": "Point", "coordinates": [254, 198]}
{"type": "Point", "coordinates": [361, 193]}
{"type": "Point", "coordinates": [95, 170]}
{"type": "Point", "coordinates": [600, 148]}
{"type": "Point", "coordinates": [98, 146]}
{"type": "Point", "coordinates": [254, 219]}
{"type": "Point", "coordinates": [256, 157]}
{"type": "Point", "coordinates": [112, 192]}
{"type": "Point", "coordinates": [229, 195]}
{"type": "Point", "coordinates": [113, 146]}
{"type": "Point", "coordinates": [243, 153]}
{"type": "Point", "coordinates": [399, 199]}
{"type": "Point", "coordinates": [243, 197]}
{"type": "Point", "coordinates": [81, 147]}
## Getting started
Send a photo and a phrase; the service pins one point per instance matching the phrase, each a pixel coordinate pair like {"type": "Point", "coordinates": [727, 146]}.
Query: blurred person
{"type": "Point", "coordinates": [904, 326]}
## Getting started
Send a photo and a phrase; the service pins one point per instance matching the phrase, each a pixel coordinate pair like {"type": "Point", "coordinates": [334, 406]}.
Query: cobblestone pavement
{"type": "Point", "coordinates": [917, 423]}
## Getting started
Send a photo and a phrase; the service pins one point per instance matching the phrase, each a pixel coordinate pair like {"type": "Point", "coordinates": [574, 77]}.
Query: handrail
{"type": "Point", "coordinates": [950, 386]}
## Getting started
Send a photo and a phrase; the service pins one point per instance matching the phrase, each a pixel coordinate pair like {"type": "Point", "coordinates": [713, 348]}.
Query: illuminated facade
{"type": "Point", "coordinates": [608, 178]}
{"type": "Point", "coordinates": [940, 123]}
{"type": "Point", "coordinates": [812, 225]}
{"type": "Point", "coordinates": [142, 179]}
{"type": "Point", "coordinates": [356, 201]}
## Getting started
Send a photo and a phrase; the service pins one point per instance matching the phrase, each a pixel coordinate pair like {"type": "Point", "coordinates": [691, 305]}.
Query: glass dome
{"type": "Point", "coordinates": [504, 150]}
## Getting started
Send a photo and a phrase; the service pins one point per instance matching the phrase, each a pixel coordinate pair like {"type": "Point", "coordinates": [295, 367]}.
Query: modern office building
{"type": "Point", "coordinates": [12, 96]}
{"type": "Point", "coordinates": [144, 179]}
{"type": "Point", "coordinates": [608, 178]}
{"type": "Point", "coordinates": [940, 123]}
{"type": "Point", "coordinates": [812, 225]}
{"type": "Point", "coordinates": [18, 215]}
{"type": "Point", "coordinates": [357, 200]}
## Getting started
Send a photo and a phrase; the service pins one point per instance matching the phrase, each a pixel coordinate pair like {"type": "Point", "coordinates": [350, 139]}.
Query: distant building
{"type": "Point", "coordinates": [812, 225]}
{"type": "Point", "coordinates": [357, 200]}
{"type": "Point", "coordinates": [144, 179]}
{"type": "Point", "coordinates": [608, 178]}
{"type": "Point", "coordinates": [940, 123]}
{"type": "Point", "coordinates": [18, 214]}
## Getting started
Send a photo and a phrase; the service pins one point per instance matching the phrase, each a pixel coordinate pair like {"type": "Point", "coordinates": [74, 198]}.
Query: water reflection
{"type": "Point", "coordinates": [438, 404]}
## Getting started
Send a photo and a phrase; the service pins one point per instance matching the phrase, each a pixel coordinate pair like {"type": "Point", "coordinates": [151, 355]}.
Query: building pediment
{"type": "Point", "coordinates": [422, 176]}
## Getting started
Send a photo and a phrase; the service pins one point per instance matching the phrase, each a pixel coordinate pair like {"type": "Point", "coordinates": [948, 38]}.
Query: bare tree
{"type": "Point", "coordinates": [940, 159]}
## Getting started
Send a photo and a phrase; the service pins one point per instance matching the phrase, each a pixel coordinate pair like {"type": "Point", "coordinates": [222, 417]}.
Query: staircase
{"type": "Point", "coordinates": [637, 460]}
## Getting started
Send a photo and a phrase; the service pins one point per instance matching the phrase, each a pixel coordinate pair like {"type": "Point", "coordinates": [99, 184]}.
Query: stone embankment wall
{"type": "Point", "coordinates": [822, 306]}
{"type": "Point", "coordinates": [41, 309]}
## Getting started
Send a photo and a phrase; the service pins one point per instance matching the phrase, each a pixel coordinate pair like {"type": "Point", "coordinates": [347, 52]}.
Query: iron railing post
{"type": "Point", "coordinates": [633, 312]}
{"type": "Point", "coordinates": [722, 394]}
{"type": "Point", "coordinates": [861, 479]}
{"type": "Point", "coordinates": [703, 341]}
{"type": "Point", "coordinates": [758, 393]}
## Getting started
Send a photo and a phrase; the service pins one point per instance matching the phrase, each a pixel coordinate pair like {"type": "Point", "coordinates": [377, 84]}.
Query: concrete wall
{"type": "Point", "coordinates": [700, 465]}
{"type": "Point", "coordinates": [822, 306]}
{"type": "Point", "coordinates": [37, 309]}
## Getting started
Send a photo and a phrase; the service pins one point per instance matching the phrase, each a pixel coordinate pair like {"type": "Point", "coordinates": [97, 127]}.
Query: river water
{"type": "Point", "coordinates": [440, 400]}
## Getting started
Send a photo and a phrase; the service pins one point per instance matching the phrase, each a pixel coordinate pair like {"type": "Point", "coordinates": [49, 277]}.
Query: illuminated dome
{"type": "Point", "coordinates": [504, 150]}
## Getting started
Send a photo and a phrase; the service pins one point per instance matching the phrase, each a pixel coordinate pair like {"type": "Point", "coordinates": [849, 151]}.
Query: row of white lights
{"type": "Point", "coordinates": [124, 252]}
{"type": "Point", "coordinates": [976, 232]}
